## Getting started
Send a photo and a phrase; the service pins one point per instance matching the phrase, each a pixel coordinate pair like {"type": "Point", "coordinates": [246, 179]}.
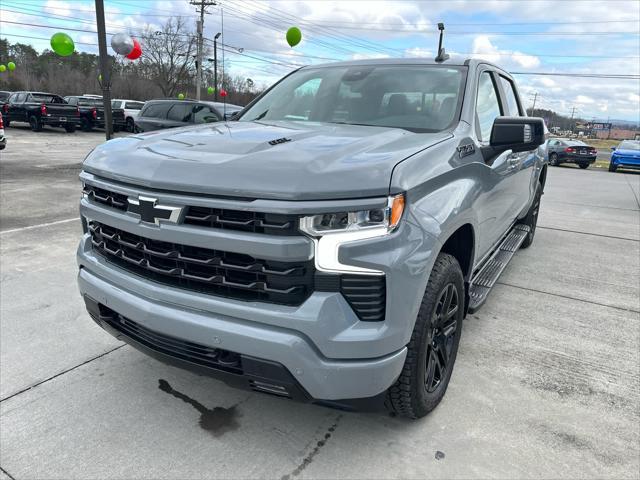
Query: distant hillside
{"type": "Point", "coordinates": [554, 119]}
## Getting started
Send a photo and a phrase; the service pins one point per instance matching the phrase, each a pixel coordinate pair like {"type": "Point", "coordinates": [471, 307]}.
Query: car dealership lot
{"type": "Point", "coordinates": [546, 383]}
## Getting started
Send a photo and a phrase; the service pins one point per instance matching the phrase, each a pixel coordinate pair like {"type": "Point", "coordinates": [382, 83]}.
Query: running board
{"type": "Point", "coordinates": [486, 278]}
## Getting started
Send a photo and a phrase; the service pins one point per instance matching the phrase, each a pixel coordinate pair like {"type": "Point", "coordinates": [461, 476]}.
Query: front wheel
{"type": "Point", "coordinates": [35, 123]}
{"type": "Point", "coordinates": [553, 159]}
{"type": "Point", "coordinates": [432, 351]}
{"type": "Point", "coordinates": [612, 167]}
{"type": "Point", "coordinates": [583, 165]}
{"type": "Point", "coordinates": [130, 127]}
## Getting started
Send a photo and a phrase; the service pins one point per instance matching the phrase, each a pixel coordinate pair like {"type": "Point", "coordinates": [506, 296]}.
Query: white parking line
{"type": "Point", "coordinates": [31, 227]}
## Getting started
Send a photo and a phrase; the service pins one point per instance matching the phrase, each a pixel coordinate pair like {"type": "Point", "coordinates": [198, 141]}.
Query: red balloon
{"type": "Point", "coordinates": [136, 52]}
{"type": "Point", "coordinates": [223, 92]}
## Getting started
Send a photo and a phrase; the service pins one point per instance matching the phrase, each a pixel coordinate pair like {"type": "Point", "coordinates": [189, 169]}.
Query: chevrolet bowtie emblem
{"type": "Point", "coordinates": [149, 210]}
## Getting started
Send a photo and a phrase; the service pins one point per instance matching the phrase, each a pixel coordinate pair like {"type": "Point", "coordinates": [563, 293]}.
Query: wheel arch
{"type": "Point", "coordinates": [461, 245]}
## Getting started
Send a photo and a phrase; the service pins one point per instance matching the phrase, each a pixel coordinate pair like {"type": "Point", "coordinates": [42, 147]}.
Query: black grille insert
{"type": "Point", "coordinates": [105, 197]}
{"type": "Point", "coordinates": [256, 222]}
{"type": "Point", "coordinates": [192, 352]}
{"type": "Point", "coordinates": [367, 295]}
{"type": "Point", "coordinates": [210, 271]}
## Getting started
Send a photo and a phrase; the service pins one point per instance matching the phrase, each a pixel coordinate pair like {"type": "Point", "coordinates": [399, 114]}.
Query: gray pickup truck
{"type": "Point", "coordinates": [326, 245]}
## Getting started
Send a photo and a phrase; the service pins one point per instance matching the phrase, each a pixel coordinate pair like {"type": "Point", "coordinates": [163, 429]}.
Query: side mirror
{"type": "Point", "coordinates": [518, 134]}
{"type": "Point", "coordinates": [613, 149]}
{"type": "Point", "coordinates": [231, 116]}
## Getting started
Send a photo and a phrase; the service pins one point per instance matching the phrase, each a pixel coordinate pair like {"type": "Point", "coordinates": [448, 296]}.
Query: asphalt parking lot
{"type": "Point", "coordinates": [547, 383]}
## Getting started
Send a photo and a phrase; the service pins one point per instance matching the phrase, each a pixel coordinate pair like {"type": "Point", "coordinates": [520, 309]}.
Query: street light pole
{"type": "Point", "coordinates": [215, 65]}
{"type": "Point", "coordinates": [104, 69]}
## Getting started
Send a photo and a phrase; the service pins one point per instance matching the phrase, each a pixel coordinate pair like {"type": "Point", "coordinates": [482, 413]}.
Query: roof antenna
{"type": "Point", "coordinates": [442, 56]}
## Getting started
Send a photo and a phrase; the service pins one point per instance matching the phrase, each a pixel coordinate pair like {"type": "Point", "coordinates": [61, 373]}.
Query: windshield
{"type": "Point", "coordinates": [629, 146]}
{"type": "Point", "coordinates": [419, 98]}
{"type": "Point", "coordinates": [44, 98]}
{"type": "Point", "coordinates": [92, 102]}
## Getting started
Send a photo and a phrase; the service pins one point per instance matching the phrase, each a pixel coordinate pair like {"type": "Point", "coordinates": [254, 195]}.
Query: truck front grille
{"type": "Point", "coordinates": [227, 274]}
{"type": "Point", "coordinates": [220, 218]}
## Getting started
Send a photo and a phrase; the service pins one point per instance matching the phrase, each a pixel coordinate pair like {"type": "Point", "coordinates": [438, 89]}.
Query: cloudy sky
{"type": "Point", "coordinates": [524, 36]}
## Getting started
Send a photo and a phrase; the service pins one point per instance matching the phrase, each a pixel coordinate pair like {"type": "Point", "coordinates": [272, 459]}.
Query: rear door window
{"type": "Point", "coordinates": [156, 110]}
{"type": "Point", "coordinates": [133, 105]}
{"type": "Point", "coordinates": [180, 112]}
{"type": "Point", "coordinates": [510, 96]}
{"type": "Point", "coordinates": [204, 114]}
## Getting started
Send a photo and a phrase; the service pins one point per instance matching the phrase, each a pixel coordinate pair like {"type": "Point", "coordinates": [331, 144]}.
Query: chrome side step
{"type": "Point", "coordinates": [488, 275]}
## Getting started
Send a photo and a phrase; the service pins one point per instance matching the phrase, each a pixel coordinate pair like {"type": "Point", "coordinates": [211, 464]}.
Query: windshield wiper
{"type": "Point", "coordinates": [261, 116]}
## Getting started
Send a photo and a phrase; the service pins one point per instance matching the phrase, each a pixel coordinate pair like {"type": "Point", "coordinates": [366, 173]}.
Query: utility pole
{"type": "Point", "coordinates": [533, 109]}
{"type": "Point", "coordinates": [202, 5]}
{"type": "Point", "coordinates": [105, 71]}
{"type": "Point", "coordinates": [573, 111]}
{"type": "Point", "coordinates": [215, 66]}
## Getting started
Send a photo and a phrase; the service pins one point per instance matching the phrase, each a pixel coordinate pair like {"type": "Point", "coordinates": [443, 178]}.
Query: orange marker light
{"type": "Point", "coordinates": [397, 207]}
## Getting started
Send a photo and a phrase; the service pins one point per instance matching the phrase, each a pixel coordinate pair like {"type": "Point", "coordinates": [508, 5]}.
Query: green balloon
{"type": "Point", "coordinates": [11, 66]}
{"type": "Point", "coordinates": [62, 44]}
{"type": "Point", "coordinates": [3, 68]}
{"type": "Point", "coordinates": [181, 96]}
{"type": "Point", "coordinates": [210, 90]}
{"type": "Point", "coordinates": [294, 35]}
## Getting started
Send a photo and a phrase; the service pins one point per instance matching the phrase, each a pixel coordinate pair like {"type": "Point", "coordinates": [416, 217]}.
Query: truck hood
{"type": "Point", "coordinates": [275, 160]}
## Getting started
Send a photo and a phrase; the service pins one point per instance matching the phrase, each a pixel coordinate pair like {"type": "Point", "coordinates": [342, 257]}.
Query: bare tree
{"type": "Point", "coordinates": [168, 58]}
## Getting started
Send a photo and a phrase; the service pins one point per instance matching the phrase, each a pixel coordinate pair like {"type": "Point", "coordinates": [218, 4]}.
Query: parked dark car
{"type": "Point", "coordinates": [625, 155]}
{"type": "Point", "coordinates": [92, 113]}
{"type": "Point", "coordinates": [565, 150]}
{"type": "Point", "coordinates": [159, 114]}
{"type": "Point", "coordinates": [3, 139]}
{"type": "Point", "coordinates": [39, 109]}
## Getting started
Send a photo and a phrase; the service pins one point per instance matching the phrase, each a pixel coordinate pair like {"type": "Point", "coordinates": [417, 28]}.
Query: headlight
{"type": "Point", "coordinates": [331, 230]}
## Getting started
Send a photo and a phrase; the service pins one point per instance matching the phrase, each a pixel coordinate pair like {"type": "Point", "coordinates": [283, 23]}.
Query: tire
{"type": "Point", "coordinates": [583, 165]}
{"type": "Point", "coordinates": [86, 125]}
{"type": "Point", "coordinates": [553, 159]}
{"type": "Point", "coordinates": [612, 167]}
{"type": "Point", "coordinates": [531, 219]}
{"type": "Point", "coordinates": [137, 129]}
{"type": "Point", "coordinates": [130, 126]}
{"type": "Point", "coordinates": [70, 128]}
{"type": "Point", "coordinates": [434, 341]}
{"type": "Point", "coordinates": [35, 124]}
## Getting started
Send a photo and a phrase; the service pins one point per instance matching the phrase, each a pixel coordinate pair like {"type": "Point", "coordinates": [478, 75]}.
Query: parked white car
{"type": "Point", "coordinates": [131, 110]}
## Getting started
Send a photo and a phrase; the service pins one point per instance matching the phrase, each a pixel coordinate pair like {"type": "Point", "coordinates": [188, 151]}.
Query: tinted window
{"type": "Point", "coordinates": [18, 97]}
{"type": "Point", "coordinates": [4, 96]}
{"type": "Point", "coordinates": [487, 107]}
{"type": "Point", "coordinates": [576, 143]}
{"type": "Point", "coordinates": [44, 98]}
{"type": "Point", "coordinates": [511, 100]}
{"type": "Point", "coordinates": [419, 98]}
{"type": "Point", "coordinates": [133, 105]}
{"type": "Point", "coordinates": [156, 110]}
{"type": "Point", "coordinates": [72, 100]}
{"type": "Point", "coordinates": [628, 145]}
{"type": "Point", "coordinates": [180, 112]}
{"type": "Point", "coordinates": [116, 104]}
{"type": "Point", "coordinates": [204, 114]}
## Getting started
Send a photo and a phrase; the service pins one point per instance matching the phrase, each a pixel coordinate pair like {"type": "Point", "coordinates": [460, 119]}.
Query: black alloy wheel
{"type": "Point", "coordinates": [553, 159]}
{"type": "Point", "coordinates": [444, 324]}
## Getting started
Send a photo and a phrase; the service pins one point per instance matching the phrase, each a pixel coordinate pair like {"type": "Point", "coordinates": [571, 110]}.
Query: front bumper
{"type": "Point", "coordinates": [319, 378]}
{"type": "Point", "coordinates": [625, 162]}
